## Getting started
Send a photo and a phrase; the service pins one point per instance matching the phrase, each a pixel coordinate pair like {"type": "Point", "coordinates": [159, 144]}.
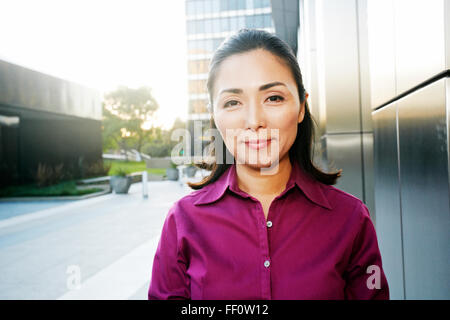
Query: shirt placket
{"type": "Point", "coordinates": [265, 261]}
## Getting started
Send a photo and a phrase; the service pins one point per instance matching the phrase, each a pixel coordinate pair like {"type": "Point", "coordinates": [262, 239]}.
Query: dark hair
{"type": "Point", "coordinates": [246, 40]}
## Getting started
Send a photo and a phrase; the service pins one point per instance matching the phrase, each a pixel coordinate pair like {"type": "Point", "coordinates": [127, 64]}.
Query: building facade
{"type": "Point", "coordinates": [45, 120]}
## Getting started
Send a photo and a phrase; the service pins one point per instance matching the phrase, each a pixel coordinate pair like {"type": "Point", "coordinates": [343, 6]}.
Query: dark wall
{"type": "Point", "coordinates": [44, 137]}
{"type": "Point", "coordinates": [59, 123]}
{"type": "Point", "coordinates": [34, 90]}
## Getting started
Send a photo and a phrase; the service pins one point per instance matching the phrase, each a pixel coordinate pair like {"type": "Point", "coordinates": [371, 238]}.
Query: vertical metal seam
{"type": "Point", "coordinates": [447, 114]}
{"type": "Point", "coordinates": [398, 154]}
{"type": "Point", "coordinates": [397, 129]}
{"type": "Point", "coordinates": [446, 88]}
{"type": "Point", "coordinates": [360, 104]}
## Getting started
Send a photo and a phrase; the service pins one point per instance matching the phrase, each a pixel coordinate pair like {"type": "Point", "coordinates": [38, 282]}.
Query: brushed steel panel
{"type": "Point", "coordinates": [308, 61]}
{"type": "Point", "coordinates": [381, 38]}
{"type": "Point", "coordinates": [425, 192]}
{"type": "Point", "coordinates": [364, 74]}
{"type": "Point", "coordinates": [447, 33]}
{"type": "Point", "coordinates": [368, 183]}
{"type": "Point", "coordinates": [387, 198]}
{"type": "Point", "coordinates": [344, 152]}
{"type": "Point", "coordinates": [338, 66]}
{"type": "Point", "coordinates": [419, 41]}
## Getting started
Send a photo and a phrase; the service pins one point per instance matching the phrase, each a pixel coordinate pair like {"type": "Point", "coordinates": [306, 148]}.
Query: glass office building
{"type": "Point", "coordinates": [208, 23]}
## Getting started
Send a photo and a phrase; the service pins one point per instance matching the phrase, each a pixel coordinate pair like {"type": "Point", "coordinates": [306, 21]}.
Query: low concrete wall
{"type": "Point", "coordinates": [164, 162]}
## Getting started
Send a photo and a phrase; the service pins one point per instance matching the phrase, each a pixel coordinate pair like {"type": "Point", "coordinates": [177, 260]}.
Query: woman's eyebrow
{"type": "Point", "coordinates": [261, 88]}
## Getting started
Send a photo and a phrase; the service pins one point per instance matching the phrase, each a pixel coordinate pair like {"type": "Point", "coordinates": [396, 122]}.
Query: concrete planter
{"type": "Point", "coordinates": [172, 174]}
{"type": "Point", "coordinates": [190, 171]}
{"type": "Point", "coordinates": [121, 184]}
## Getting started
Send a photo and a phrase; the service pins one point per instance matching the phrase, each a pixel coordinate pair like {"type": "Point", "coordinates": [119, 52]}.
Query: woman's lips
{"type": "Point", "coordinates": [258, 144]}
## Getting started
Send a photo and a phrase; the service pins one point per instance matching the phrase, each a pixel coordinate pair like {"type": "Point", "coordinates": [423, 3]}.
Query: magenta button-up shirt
{"type": "Point", "coordinates": [318, 243]}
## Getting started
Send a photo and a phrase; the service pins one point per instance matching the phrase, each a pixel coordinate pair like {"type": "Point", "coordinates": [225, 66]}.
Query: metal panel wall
{"type": "Point", "coordinates": [425, 192]}
{"type": "Point", "coordinates": [344, 151]}
{"type": "Point", "coordinates": [334, 58]}
{"type": "Point", "coordinates": [381, 42]}
{"type": "Point", "coordinates": [357, 55]}
{"type": "Point", "coordinates": [419, 41]}
{"type": "Point", "coordinates": [387, 198]}
{"type": "Point", "coordinates": [339, 79]}
{"type": "Point", "coordinates": [368, 174]}
{"type": "Point", "coordinates": [407, 46]}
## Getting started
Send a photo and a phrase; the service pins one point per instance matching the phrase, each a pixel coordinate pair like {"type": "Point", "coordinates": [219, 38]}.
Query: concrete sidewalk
{"type": "Point", "coordinates": [99, 248]}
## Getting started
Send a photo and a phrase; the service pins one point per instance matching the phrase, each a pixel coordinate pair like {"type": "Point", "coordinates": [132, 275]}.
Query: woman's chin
{"type": "Point", "coordinates": [258, 163]}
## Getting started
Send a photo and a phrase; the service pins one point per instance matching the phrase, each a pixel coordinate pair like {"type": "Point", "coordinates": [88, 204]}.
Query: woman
{"type": "Point", "coordinates": [268, 224]}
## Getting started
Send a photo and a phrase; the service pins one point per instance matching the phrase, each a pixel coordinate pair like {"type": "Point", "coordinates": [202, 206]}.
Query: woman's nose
{"type": "Point", "coordinates": [255, 116]}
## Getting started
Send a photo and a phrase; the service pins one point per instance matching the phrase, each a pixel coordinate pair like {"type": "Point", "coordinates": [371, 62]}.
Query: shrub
{"type": "Point", "coordinates": [97, 169]}
{"type": "Point", "coordinates": [47, 175]}
{"type": "Point", "coordinates": [157, 149]}
{"type": "Point", "coordinates": [119, 171]}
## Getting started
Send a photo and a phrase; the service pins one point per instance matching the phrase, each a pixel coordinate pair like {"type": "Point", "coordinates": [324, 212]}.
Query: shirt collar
{"type": "Point", "coordinates": [228, 180]}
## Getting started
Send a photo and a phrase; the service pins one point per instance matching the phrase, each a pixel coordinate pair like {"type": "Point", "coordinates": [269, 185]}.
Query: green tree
{"type": "Point", "coordinates": [161, 144]}
{"type": "Point", "coordinates": [127, 114]}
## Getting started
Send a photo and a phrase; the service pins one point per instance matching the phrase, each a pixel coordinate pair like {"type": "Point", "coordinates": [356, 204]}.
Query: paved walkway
{"type": "Point", "coordinates": [15, 208]}
{"type": "Point", "coordinates": [98, 248]}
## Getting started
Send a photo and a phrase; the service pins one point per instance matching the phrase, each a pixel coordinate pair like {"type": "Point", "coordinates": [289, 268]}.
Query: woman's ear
{"type": "Point", "coordinates": [301, 113]}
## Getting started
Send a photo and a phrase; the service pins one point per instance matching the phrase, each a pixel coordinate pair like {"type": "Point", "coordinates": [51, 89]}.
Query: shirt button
{"type": "Point", "coordinates": [266, 263]}
{"type": "Point", "coordinates": [269, 224]}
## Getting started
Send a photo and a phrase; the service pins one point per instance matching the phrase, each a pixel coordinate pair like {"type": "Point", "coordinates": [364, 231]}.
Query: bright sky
{"type": "Point", "coordinates": [102, 44]}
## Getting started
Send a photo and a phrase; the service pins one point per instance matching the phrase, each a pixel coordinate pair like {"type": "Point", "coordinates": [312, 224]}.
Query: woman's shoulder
{"type": "Point", "coordinates": [187, 203]}
{"type": "Point", "coordinates": [344, 202]}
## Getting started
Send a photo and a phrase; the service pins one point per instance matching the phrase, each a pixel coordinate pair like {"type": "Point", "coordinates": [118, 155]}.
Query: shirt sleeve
{"type": "Point", "coordinates": [365, 278]}
{"type": "Point", "coordinates": [169, 279]}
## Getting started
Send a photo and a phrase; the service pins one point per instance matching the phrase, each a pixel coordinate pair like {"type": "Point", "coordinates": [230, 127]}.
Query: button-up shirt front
{"type": "Point", "coordinates": [318, 242]}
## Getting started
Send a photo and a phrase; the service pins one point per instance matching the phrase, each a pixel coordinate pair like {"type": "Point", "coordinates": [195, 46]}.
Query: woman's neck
{"type": "Point", "coordinates": [272, 183]}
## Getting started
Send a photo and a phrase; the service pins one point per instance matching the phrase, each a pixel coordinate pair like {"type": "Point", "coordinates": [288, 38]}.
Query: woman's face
{"type": "Point", "coordinates": [256, 98]}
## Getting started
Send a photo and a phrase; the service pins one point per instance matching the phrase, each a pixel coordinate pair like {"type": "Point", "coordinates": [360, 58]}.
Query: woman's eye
{"type": "Point", "coordinates": [274, 98]}
{"type": "Point", "coordinates": [230, 103]}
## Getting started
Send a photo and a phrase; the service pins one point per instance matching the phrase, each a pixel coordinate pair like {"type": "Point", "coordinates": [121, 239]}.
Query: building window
{"type": "Point", "coordinates": [197, 86]}
{"type": "Point", "coordinates": [216, 25]}
{"type": "Point", "coordinates": [200, 26]}
{"type": "Point", "coordinates": [212, 25]}
{"type": "Point", "coordinates": [199, 7]}
{"type": "Point", "coordinates": [190, 8]}
{"type": "Point", "coordinates": [259, 21]}
{"type": "Point", "coordinates": [198, 106]}
{"type": "Point", "coordinates": [224, 25]}
{"type": "Point", "coordinates": [261, 3]}
{"type": "Point", "coordinates": [268, 21]}
{"type": "Point", "coordinates": [224, 5]}
{"type": "Point", "coordinates": [250, 22]}
{"type": "Point", "coordinates": [217, 42]}
{"type": "Point", "coordinates": [237, 4]}
{"type": "Point", "coordinates": [207, 6]}
{"type": "Point", "coordinates": [233, 23]}
{"type": "Point", "coordinates": [198, 66]}
{"type": "Point", "coordinates": [190, 27]}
